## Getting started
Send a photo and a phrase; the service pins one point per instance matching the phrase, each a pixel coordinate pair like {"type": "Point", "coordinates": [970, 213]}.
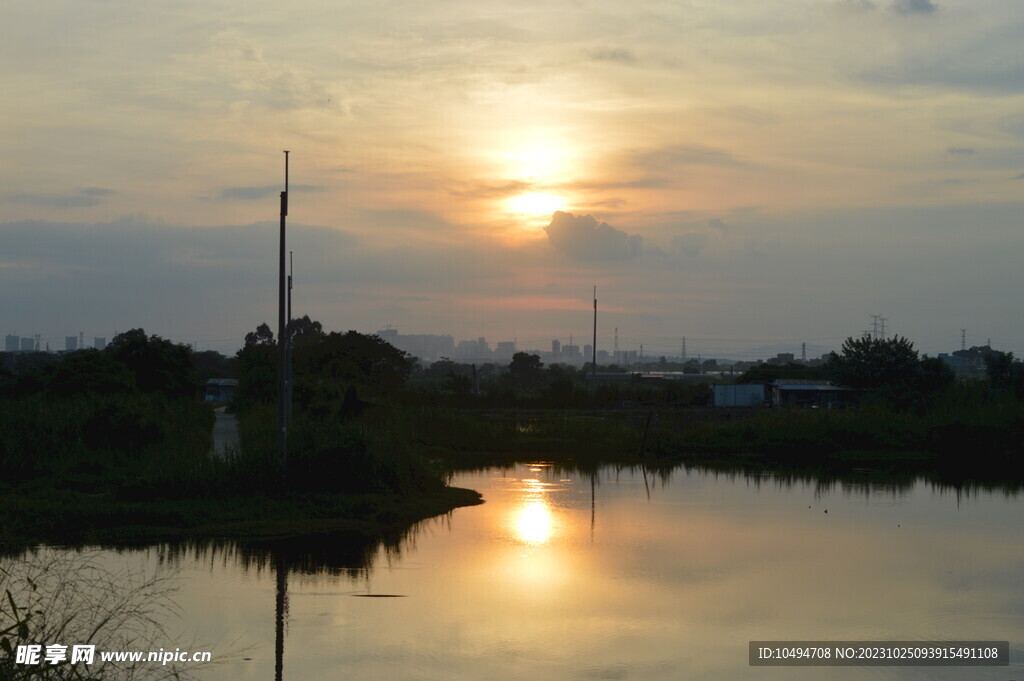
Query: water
{"type": "Point", "coordinates": [620, 575]}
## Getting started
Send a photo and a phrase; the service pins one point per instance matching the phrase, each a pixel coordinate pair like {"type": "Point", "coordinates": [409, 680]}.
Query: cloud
{"type": "Point", "coordinates": [582, 237]}
{"type": "Point", "coordinates": [253, 193]}
{"type": "Point", "coordinates": [670, 158]}
{"type": "Point", "coordinates": [858, 5]}
{"type": "Point", "coordinates": [719, 225]}
{"type": "Point", "coordinates": [691, 243]}
{"type": "Point", "coordinates": [616, 54]}
{"type": "Point", "coordinates": [914, 6]}
{"type": "Point", "coordinates": [960, 151]}
{"type": "Point", "coordinates": [83, 198]}
{"type": "Point", "coordinates": [493, 191]}
{"type": "Point", "coordinates": [1018, 177]}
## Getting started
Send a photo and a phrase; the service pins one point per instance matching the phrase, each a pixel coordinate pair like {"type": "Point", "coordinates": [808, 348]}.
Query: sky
{"type": "Point", "coordinates": [745, 174]}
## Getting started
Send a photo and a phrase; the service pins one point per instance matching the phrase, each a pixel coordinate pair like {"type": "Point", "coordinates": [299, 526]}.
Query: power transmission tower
{"type": "Point", "coordinates": [883, 320]}
{"type": "Point", "coordinates": [684, 350]}
{"type": "Point", "coordinates": [616, 349]}
{"type": "Point", "coordinates": [963, 339]}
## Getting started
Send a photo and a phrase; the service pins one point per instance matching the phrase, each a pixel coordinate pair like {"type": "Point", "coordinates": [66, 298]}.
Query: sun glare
{"type": "Point", "coordinates": [535, 203]}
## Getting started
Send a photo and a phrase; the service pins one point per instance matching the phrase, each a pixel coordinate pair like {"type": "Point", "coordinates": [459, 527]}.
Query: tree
{"type": "Point", "coordinates": [261, 336]}
{"type": "Point", "coordinates": [337, 361]}
{"type": "Point", "coordinates": [874, 362]}
{"type": "Point", "coordinates": [257, 368]}
{"type": "Point", "coordinates": [304, 331]}
{"type": "Point", "coordinates": [1005, 373]}
{"type": "Point", "coordinates": [889, 366]}
{"type": "Point", "coordinates": [159, 365]}
{"type": "Point", "coordinates": [525, 368]}
{"type": "Point", "coordinates": [92, 372]}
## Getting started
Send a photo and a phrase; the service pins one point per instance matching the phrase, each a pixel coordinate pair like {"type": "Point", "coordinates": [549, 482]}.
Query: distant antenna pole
{"type": "Point", "coordinates": [593, 348]}
{"type": "Point", "coordinates": [282, 337]}
{"type": "Point", "coordinates": [963, 339]}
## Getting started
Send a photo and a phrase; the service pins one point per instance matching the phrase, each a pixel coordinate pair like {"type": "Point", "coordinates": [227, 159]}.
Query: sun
{"type": "Point", "coordinates": [535, 204]}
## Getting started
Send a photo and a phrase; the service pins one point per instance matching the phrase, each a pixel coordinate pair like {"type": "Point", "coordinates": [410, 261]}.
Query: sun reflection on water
{"type": "Point", "coordinates": [533, 522]}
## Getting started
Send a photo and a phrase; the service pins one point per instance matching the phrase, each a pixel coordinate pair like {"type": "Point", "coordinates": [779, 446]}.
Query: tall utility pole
{"type": "Point", "coordinates": [616, 347]}
{"type": "Point", "coordinates": [683, 355]}
{"type": "Point", "coordinates": [874, 325]}
{"type": "Point", "coordinates": [593, 348]}
{"type": "Point", "coordinates": [883, 320]}
{"type": "Point", "coordinates": [282, 338]}
{"type": "Point", "coordinates": [963, 339]}
{"type": "Point", "coordinates": [291, 272]}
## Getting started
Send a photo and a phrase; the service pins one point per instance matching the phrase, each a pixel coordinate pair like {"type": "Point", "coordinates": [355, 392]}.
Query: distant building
{"type": "Point", "coordinates": [424, 346]}
{"type": "Point", "coordinates": [28, 344]}
{"type": "Point", "coordinates": [473, 351]}
{"type": "Point", "coordinates": [739, 394]}
{"type": "Point", "coordinates": [782, 358]}
{"type": "Point", "coordinates": [968, 363]}
{"type": "Point", "coordinates": [220, 389]}
{"type": "Point", "coordinates": [70, 343]}
{"type": "Point", "coordinates": [99, 342]}
{"type": "Point", "coordinates": [810, 393]}
{"type": "Point", "coordinates": [11, 343]}
{"type": "Point", "coordinates": [505, 351]}
{"type": "Point", "coordinates": [571, 355]}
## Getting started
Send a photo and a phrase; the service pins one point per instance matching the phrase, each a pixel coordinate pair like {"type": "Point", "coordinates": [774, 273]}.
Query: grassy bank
{"type": "Point", "coordinates": [971, 436]}
{"type": "Point", "coordinates": [137, 469]}
{"type": "Point", "coordinates": [75, 518]}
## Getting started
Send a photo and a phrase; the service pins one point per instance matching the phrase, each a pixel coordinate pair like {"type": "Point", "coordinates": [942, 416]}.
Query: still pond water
{"type": "Point", "coordinates": [621, 575]}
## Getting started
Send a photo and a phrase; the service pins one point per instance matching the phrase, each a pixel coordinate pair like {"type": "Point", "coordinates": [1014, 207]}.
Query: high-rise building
{"type": "Point", "coordinates": [70, 343]}
{"type": "Point", "coordinates": [11, 343]}
{"type": "Point", "coordinates": [99, 342]}
{"type": "Point", "coordinates": [28, 344]}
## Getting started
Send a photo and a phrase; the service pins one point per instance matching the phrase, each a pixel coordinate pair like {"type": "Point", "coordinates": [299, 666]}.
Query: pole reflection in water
{"type": "Point", "coordinates": [281, 613]}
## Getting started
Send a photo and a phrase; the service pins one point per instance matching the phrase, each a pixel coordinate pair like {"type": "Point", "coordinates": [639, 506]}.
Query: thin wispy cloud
{"type": "Point", "coordinates": [83, 198]}
{"type": "Point", "coordinates": [254, 193]}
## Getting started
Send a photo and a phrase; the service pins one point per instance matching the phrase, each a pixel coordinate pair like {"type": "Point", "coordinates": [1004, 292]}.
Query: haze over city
{"type": "Point", "coordinates": [744, 174]}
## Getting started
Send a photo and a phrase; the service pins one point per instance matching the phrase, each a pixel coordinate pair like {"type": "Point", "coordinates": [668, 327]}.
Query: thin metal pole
{"type": "Point", "coordinates": [593, 348]}
{"type": "Point", "coordinates": [291, 274]}
{"type": "Point", "coordinates": [282, 337]}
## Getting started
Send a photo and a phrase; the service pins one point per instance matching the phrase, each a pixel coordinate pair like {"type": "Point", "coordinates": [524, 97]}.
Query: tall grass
{"type": "Point", "coordinates": [93, 442]}
{"type": "Point", "coordinates": [375, 453]}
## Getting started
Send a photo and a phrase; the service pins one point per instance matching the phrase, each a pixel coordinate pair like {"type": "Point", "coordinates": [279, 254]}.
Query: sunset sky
{"type": "Point", "coordinates": [740, 173]}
